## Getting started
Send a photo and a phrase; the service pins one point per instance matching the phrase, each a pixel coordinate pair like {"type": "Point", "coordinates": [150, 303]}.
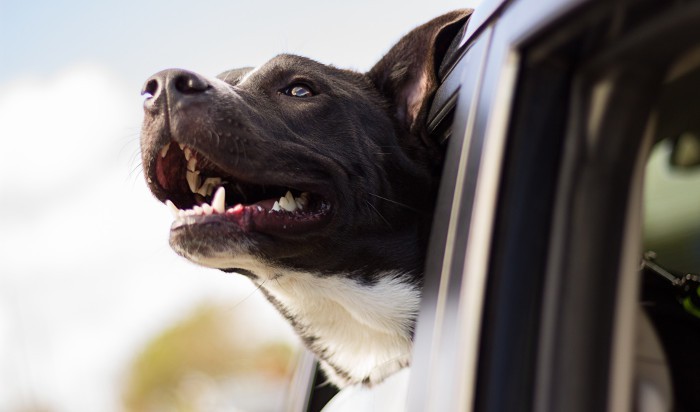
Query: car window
{"type": "Point", "coordinates": [672, 203]}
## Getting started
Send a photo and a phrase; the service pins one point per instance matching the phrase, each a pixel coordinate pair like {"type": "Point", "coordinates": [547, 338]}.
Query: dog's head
{"type": "Point", "coordinates": [297, 164]}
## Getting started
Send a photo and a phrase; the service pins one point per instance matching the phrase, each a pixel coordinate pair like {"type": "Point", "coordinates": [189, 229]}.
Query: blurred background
{"type": "Point", "coordinates": [96, 312]}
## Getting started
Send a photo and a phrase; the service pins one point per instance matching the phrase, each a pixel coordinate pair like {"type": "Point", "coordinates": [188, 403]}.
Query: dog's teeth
{"type": "Point", "coordinates": [208, 186]}
{"type": "Point", "coordinates": [276, 207]}
{"type": "Point", "coordinates": [286, 204]}
{"type": "Point", "coordinates": [198, 210]}
{"type": "Point", "coordinates": [173, 209]}
{"type": "Point", "coordinates": [289, 196]}
{"type": "Point", "coordinates": [164, 150]}
{"type": "Point", "coordinates": [188, 153]}
{"type": "Point", "coordinates": [192, 164]}
{"type": "Point", "coordinates": [219, 201]}
{"type": "Point", "coordinates": [193, 180]}
{"type": "Point", "coordinates": [208, 210]}
{"type": "Point", "coordinates": [302, 201]}
{"type": "Point", "coordinates": [182, 146]}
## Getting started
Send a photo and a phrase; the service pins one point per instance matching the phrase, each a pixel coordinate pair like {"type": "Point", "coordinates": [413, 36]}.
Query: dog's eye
{"type": "Point", "coordinates": [298, 90]}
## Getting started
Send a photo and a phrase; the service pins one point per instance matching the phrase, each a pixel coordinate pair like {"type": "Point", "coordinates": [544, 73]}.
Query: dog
{"type": "Point", "coordinates": [315, 182]}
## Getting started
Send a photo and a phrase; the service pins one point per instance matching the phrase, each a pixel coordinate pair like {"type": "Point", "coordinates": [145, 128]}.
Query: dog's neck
{"type": "Point", "coordinates": [362, 331]}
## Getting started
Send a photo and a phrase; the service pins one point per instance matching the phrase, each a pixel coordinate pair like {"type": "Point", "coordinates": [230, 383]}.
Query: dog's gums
{"type": "Point", "coordinates": [265, 209]}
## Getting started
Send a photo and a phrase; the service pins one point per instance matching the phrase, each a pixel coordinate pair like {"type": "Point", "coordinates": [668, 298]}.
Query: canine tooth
{"type": "Point", "coordinates": [173, 209]}
{"type": "Point", "coordinates": [207, 209]}
{"type": "Point", "coordinates": [276, 207]}
{"type": "Point", "coordinates": [219, 201]}
{"type": "Point", "coordinates": [182, 146]}
{"type": "Point", "coordinates": [164, 150]}
{"type": "Point", "coordinates": [192, 164]}
{"type": "Point", "coordinates": [188, 153]}
{"type": "Point", "coordinates": [193, 180]}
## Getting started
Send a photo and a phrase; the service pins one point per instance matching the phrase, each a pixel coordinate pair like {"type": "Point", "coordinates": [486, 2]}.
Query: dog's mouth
{"type": "Point", "coordinates": [197, 191]}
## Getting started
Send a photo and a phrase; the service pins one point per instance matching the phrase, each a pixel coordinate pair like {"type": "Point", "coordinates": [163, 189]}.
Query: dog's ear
{"type": "Point", "coordinates": [407, 74]}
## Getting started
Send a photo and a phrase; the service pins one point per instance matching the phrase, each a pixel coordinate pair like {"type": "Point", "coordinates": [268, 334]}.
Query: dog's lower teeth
{"type": "Point", "coordinates": [287, 202]}
{"type": "Point", "coordinates": [290, 203]}
{"type": "Point", "coordinates": [219, 200]}
{"type": "Point", "coordinates": [173, 209]}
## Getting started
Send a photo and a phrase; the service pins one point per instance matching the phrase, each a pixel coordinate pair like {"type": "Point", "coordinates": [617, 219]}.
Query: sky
{"type": "Point", "coordinates": [86, 274]}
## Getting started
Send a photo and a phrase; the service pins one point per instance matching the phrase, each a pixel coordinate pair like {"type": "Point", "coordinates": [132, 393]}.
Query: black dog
{"type": "Point", "coordinates": [315, 182]}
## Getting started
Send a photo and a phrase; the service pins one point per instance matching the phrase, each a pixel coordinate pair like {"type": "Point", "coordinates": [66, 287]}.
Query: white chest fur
{"type": "Point", "coordinates": [363, 330]}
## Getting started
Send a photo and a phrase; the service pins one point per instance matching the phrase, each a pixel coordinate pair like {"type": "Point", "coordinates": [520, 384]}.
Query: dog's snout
{"type": "Point", "coordinates": [172, 84]}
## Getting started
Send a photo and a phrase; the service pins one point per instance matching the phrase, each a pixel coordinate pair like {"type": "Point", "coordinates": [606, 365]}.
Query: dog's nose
{"type": "Point", "coordinates": [172, 83]}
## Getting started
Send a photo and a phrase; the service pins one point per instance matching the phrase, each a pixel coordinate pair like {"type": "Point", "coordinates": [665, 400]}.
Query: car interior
{"type": "Point", "coordinates": [671, 242]}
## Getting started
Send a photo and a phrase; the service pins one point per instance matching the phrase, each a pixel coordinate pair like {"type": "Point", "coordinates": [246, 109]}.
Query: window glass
{"type": "Point", "coordinates": [672, 203]}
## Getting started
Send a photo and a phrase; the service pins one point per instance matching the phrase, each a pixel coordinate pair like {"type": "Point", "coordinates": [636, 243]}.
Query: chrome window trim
{"type": "Point", "coordinates": [427, 374]}
{"type": "Point", "coordinates": [481, 230]}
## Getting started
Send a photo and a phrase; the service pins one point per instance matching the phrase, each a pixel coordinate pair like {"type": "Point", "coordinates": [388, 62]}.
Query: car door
{"type": "Point", "coordinates": [532, 289]}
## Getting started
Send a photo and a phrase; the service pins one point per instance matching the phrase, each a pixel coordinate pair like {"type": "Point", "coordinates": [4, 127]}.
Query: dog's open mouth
{"type": "Point", "coordinates": [199, 192]}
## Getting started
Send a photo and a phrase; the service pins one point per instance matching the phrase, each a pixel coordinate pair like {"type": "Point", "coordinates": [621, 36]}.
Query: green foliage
{"type": "Point", "coordinates": [202, 350]}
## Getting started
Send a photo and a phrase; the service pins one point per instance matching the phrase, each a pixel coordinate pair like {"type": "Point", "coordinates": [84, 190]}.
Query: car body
{"type": "Point", "coordinates": [549, 111]}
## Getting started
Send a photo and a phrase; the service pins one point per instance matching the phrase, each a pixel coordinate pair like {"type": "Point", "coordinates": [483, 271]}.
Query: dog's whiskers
{"type": "Point", "coordinates": [380, 215]}
{"type": "Point", "coordinates": [242, 301]}
{"type": "Point", "coordinates": [396, 203]}
{"type": "Point", "coordinates": [218, 137]}
{"type": "Point", "coordinates": [138, 168]}
{"type": "Point", "coordinates": [135, 173]}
